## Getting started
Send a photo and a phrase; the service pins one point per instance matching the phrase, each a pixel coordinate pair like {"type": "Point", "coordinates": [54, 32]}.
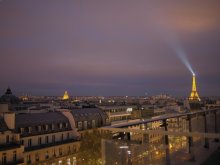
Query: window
{"type": "Point", "coordinates": [7, 139]}
{"type": "Point", "coordinates": [68, 161]}
{"type": "Point", "coordinates": [54, 153]}
{"type": "Point", "coordinates": [68, 136]}
{"type": "Point", "coordinates": [22, 130]}
{"type": "Point", "coordinates": [74, 148]}
{"type": "Point", "coordinates": [13, 139]}
{"type": "Point", "coordinates": [52, 126]}
{"type": "Point", "coordinates": [107, 121]}
{"type": "Point", "coordinates": [93, 124]}
{"type": "Point", "coordinates": [46, 155]}
{"type": "Point", "coordinates": [61, 125]}
{"type": "Point", "coordinates": [28, 159]}
{"type": "Point", "coordinates": [60, 151]}
{"type": "Point", "coordinates": [61, 137]}
{"type": "Point", "coordinates": [85, 124]}
{"type": "Point", "coordinates": [39, 128]}
{"type": "Point", "coordinates": [69, 149]}
{"type": "Point", "coordinates": [80, 125]}
{"type": "Point", "coordinates": [74, 160]}
{"type": "Point", "coordinates": [37, 157]}
{"type": "Point", "coordinates": [66, 125]}
{"type": "Point", "coordinates": [22, 142]}
{"type": "Point", "coordinates": [39, 141]}
{"type": "Point", "coordinates": [46, 127]}
{"type": "Point", "coordinates": [14, 156]}
{"type": "Point", "coordinates": [29, 129]}
{"type": "Point", "coordinates": [29, 142]}
{"type": "Point", "coordinates": [53, 139]}
{"type": "Point", "coordinates": [4, 159]}
{"type": "Point", "coordinates": [26, 129]}
{"type": "Point", "coordinates": [46, 139]}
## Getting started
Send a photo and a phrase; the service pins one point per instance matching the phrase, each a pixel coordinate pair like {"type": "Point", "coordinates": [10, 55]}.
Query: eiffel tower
{"type": "Point", "coordinates": [194, 94]}
{"type": "Point", "coordinates": [65, 96]}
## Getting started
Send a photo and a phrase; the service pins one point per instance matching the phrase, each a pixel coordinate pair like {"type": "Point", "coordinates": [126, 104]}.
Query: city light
{"type": "Point", "coordinates": [123, 147]}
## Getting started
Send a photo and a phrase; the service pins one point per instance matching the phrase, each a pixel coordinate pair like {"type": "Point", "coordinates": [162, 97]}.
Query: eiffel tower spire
{"type": "Point", "coordinates": [194, 94]}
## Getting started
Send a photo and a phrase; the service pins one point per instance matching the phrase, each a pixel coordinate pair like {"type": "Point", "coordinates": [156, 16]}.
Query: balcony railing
{"type": "Point", "coordinates": [49, 145]}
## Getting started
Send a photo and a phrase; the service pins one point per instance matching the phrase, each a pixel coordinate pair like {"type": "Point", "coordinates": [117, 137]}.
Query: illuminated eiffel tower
{"type": "Point", "coordinates": [194, 94]}
{"type": "Point", "coordinates": [65, 96]}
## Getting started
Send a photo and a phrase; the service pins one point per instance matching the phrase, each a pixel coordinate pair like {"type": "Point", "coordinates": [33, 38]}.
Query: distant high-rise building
{"type": "Point", "coordinates": [65, 96]}
{"type": "Point", "coordinates": [194, 94]}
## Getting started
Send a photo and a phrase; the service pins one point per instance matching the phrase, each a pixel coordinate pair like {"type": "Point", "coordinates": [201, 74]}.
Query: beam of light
{"type": "Point", "coordinates": [181, 54]}
{"type": "Point", "coordinates": [171, 39]}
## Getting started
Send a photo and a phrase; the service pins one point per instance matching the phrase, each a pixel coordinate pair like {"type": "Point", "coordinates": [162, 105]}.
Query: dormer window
{"type": "Point", "coordinates": [61, 125]}
{"type": "Point", "coordinates": [46, 127]}
{"type": "Point", "coordinates": [66, 125]}
{"type": "Point", "coordinates": [52, 126]}
{"type": "Point", "coordinates": [79, 125]}
{"type": "Point", "coordinates": [22, 130]}
{"type": "Point", "coordinates": [29, 129]}
{"type": "Point", "coordinates": [26, 129]}
{"type": "Point", "coordinates": [39, 128]}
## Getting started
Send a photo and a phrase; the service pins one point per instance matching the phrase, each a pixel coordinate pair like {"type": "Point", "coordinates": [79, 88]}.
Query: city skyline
{"type": "Point", "coordinates": [109, 48]}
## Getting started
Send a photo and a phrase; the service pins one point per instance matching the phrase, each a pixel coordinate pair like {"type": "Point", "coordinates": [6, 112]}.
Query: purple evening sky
{"type": "Point", "coordinates": [112, 47]}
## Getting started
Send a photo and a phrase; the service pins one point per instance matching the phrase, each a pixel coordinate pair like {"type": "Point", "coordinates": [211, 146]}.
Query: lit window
{"type": "Point", "coordinates": [68, 161]}
{"type": "Point", "coordinates": [74, 160]}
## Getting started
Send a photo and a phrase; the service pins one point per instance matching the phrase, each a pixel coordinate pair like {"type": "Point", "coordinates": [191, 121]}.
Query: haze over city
{"type": "Point", "coordinates": [108, 48]}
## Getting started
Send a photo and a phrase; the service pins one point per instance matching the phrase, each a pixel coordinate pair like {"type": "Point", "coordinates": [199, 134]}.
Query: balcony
{"type": "Point", "coordinates": [49, 145]}
{"type": "Point", "coordinates": [9, 146]}
{"type": "Point", "coordinates": [18, 162]}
